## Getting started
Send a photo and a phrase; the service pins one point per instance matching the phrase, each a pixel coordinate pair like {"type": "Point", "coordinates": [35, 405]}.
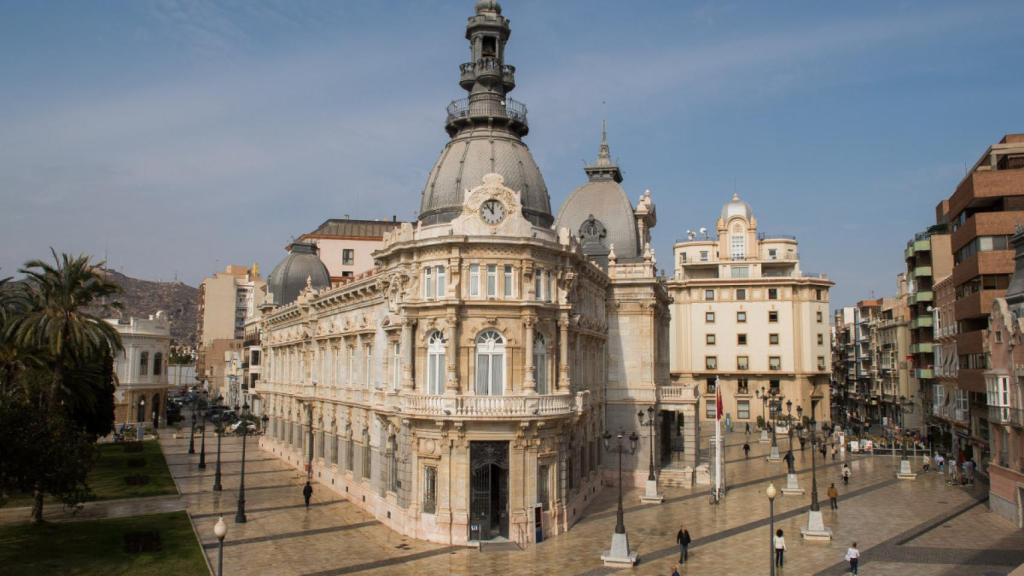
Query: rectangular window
{"type": "Point", "coordinates": [442, 285]}
{"type": "Point", "coordinates": [508, 281]}
{"type": "Point", "coordinates": [709, 294]}
{"type": "Point", "coordinates": [819, 316]}
{"type": "Point", "coordinates": [429, 489]}
{"type": "Point", "coordinates": [739, 271]}
{"type": "Point", "coordinates": [709, 339]}
{"type": "Point", "coordinates": [709, 317]}
{"type": "Point", "coordinates": [821, 363]}
{"type": "Point", "coordinates": [741, 339]}
{"type": "Point", "coordinates": [428, 282]}
{"type": "Point", "coordinates": [474, 280]}
{"type": "Point", "coordinates": [821, 339]}
{"type": "Point", "coordinates": [773, 254]}
{"type": "Point", "coordinates": [538, 283]}
{"type": "Point", "coordinates": [774, 363]}
{"type": "Point", "coordinates": [742, 363]}
{"type": "Point", "coordinates": [396, 366]}
{"type": "Point", "coordinates": [543, 492]}
{"type": "Point", "coordinates": [817, 293]}
{"type": "Point", "coordinates": [348, 257]}
{"type": "Point", "coordinates": [773, 316]}
{"type": "Point", "coordinates": [366, 457]}
{"type": "Point", "coordinates": [711, 362]}
{"type": "Point", "coordinates": [773, 293]}
{"type": "Point", "coordinates": [703, 255]}
{"type": "Point", "coordinates": [369, 367]}
{"type": "Point", "coordinates": [741, 293]}
{"type": "Point", "coordinates": [743, 409]}
{"type": "Point", "coordinates": [773, 386]}
{"type": "Point", "coordinates": [254, 357]}
{"type": "Point", "coordinates": [710, 384]}
{"type": "Point", "coordinates": [741, 316]}
{"type": "Point", "coordinates": [710, 408]}
{"type": "Point", "coordinates": [773, 339]}
{"type": "Point", "coordinates": [738, 246]}
{"type": "Point", "coordinates": [492, 280]}
{"type": "Point", "coordinates": [742, 386]}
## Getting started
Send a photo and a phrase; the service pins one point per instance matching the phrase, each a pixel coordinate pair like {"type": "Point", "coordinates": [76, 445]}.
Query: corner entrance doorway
{"type": "Point", "coordinates": [488, 499]}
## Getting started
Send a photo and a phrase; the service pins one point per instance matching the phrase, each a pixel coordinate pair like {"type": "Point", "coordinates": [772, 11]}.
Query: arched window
{"type": "Point", "coordinates": [436, 346]}
{"type": "Point", "coordinates": [144, 364]}
{"type": "Point", "coordinates": [490, 363]}
{"type": "Point", "coordinates": [158, 363]}
{"type": "Point", "coordinates": [540, 362]}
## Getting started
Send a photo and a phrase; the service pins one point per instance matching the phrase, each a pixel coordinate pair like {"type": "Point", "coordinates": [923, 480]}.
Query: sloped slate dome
{"type": "Point", "coordinates": [289, 277]}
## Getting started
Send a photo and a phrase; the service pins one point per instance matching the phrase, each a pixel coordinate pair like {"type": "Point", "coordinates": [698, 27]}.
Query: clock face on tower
{"type": "Point", "coordinates": [492, 211]}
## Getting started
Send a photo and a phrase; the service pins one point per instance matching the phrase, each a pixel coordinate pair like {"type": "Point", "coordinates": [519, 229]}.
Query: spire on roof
{"type": "Point", "coordinates": [604, 168]}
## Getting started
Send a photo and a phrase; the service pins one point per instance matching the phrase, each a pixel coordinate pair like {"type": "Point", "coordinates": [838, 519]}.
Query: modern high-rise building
{"type": "Point", "coordinates": [745, 316]}
{"type": "Point", "coordinates": [982, 213]}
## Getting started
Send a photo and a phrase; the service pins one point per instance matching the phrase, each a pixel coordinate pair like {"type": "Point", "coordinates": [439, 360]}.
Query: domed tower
{"type": "Point", "coordinates": [486, 130]}
{"type": "Point", "coordinates": [301, 268]}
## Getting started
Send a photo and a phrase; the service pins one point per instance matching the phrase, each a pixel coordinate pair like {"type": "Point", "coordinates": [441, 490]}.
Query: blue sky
{"type": "Point", "coordinates": [179, 136]}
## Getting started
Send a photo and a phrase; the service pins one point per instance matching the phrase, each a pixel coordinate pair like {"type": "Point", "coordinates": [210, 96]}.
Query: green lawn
{"type": "Point", "coordinates": [97, 547]}
{"type": "Point", "coordinates": [107, 479]}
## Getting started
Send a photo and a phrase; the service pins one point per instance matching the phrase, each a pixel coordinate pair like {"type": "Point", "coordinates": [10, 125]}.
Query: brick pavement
{"type": "Point", "coordinates": [334, 537]}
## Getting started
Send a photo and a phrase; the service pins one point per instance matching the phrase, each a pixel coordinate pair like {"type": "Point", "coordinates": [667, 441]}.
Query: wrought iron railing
{"type": "Point", "coordinates": [509, 108]}
{"type": "Point", "coordinates": [1006, 415]}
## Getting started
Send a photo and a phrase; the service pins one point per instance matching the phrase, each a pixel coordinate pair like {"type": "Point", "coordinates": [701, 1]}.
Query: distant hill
{"type": "Point", "coordinates": [178, 300]}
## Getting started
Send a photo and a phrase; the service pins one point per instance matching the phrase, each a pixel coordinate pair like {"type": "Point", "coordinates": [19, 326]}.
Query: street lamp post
{"type": "Point", "coordinates": [140, 428]}
{"type": "Point", "coordinates": [220, 529]}
{"type": "Point", "coordinates": [815, 529]}
{"type": "Point", "coordinates": [202, 446]}
{"type": "Point", "coordinates": [192, 435]}
{"type": "Point", "coordinates": [770, 492]}
{"type": "Point", "coordinates": [651, 487]}
{"type": "Point", "coordinates": [240, 513]}
{"type": "Point", "coordinates": [220, 432]}
{"type": "Point", "coordinates": [619, 553]}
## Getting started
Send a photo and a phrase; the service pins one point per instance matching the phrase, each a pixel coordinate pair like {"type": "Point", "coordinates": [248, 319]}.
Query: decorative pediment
{"type": "Point", "coordinates": [491, 209]}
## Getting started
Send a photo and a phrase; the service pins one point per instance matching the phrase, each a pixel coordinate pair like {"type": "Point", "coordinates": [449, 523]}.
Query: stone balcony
{"type": "Point", "coordinates": [494, 407]}
{"type": "Point", "coordinates": [678, 394]}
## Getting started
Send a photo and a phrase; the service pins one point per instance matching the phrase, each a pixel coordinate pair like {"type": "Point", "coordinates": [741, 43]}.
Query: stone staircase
{"type": "Point", "coordinates": [681, 477]}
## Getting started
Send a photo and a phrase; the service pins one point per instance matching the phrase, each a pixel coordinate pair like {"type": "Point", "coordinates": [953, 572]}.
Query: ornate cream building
{"type": "Point", "coordinates": [459, 391]}
{"type": "Point", "coordinates": [744, 313]}
{"type": "Point", "coordinates": [141, 370]}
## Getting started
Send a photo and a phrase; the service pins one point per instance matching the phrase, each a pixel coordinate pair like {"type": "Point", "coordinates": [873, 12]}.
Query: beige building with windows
{"type": "Point", "coordinates": [141, 370]}
{"type": "Point", "coordinates": [224, 300]}
{"type": "Point", "coordinates": [346, 245]}
{"type": "Point", "coordinates": [745, 316]}
{"type": "Point", "coordinates": [460, 390]}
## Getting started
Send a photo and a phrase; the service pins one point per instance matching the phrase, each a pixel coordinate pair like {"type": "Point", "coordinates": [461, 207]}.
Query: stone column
{"type": "Point", "coordinates": [529, 377]}
{"type": "Point", "coordinates": [564, 384]}
{"type": "Point", "coordinates": [452, 356]}
{"type": "Point", "coordinates": [408, 354]}
{"type": "Point", "coordinates": [691, 435]}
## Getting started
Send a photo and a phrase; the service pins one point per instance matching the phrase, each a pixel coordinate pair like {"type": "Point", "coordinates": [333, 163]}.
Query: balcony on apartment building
{"type": "Point", "coordinates": [922, 322]}
{"type": "Point", "coordinates": [995, 262]}
{"type": "Point", "coordinates": [976, 305]}
{"type": "Point", "coordinates": [921, 296]}
{"type": "Point", "coordinates": [983, 187]}
{"type": "Point", "coordinates": [1006, 416]}
{"type": "Point", "coordinates": [999, 222]}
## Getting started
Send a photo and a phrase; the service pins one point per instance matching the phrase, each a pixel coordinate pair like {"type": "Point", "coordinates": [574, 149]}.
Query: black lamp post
{"type": "Point", "coordinates": [192, 435]}
{"type": "Point", "coordinates": [202, 447]}
{"type": "Point", "coordinates": [620, 448]}
{"type": "Point", "coordinates": [650, 424]}
{"type": "Point", "coordinates": [240, 513]}
{"type": "Point", "coordinates": [220, 432]}
{"type": "Point", "coordinates": [814, 471]}
{"type": "Point", "coordinates": [789, 429]}
{"type": "Point", "coordinates": [771, 493]}
{"type": "Point", "coordinates": [800, 417]}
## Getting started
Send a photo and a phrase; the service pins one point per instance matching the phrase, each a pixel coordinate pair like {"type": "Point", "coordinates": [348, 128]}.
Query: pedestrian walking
{"type": "Point", "coordinates": [833, 451]}
{"type": "Point", "coordinates": [926, 462]}
{"type": "Point", "coordinates": [307, 493]}
{"type": "Point", "coordinates": [939, 462]}
{"type": "Point", "coordinates": [675, 571]}
{"type": "Point", "coordinates": [747, 428]}
{"type": "Point", "coordinates": [853, 557]}
{"type": "Point", "coordinates": [803, 440]}
{"type": "Point", "coordinates": [823, 449]}
{"type": "Point", "coordinates": [833, 496]}
{"type": "Point", "coordinates": [683, 540]}
{"type": "Point", "coordinates": [846, 474]}
{"type": "Point", "coordinates": [746, 450]}
{"type": "Point", "coordinates": [780, 547]}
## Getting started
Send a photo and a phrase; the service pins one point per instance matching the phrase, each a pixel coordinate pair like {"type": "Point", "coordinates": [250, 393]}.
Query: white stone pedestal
{"type": "Point", "coordinates": [905, 472]}
{"type": "Point", "coordinates": [815, 528]}
{"type": "Point", "coordinates": [773, 456]}
{"type": "Point", "coordinates": [619, 554]}
{"type": "Point", "coordinates": [792, 486]}
{"type": "Point", "coordinates": [650, 495]}
{"type": "Point", "coordinates": [703, 475]}
{"type": "Point", "coordinates": [764, 436]}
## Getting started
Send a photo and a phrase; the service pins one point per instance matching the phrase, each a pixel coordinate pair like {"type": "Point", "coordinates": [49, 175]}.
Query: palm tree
{"type": "Point", "coordinates": [14, 302]}
{"type": "Point", "coordinates": [58, 323]}
{"type": "Point", "coordinates": [58, 327]}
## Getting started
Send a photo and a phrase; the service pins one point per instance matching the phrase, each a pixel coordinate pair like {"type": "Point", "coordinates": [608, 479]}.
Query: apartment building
{"type": "Point", "coordinates": [891, 382]}
{"type": "Point", "coordinates": [982, 213]}
{"type": "Point", "coordinates": [746, 316]}
{"type": "Point", "coordinates": [224, 300]}
{"type": "Point", "coordinates": [346, 245]}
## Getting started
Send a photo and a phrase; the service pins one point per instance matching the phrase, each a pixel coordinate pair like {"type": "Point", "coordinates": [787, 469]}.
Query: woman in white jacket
{"type": "Point", "coordinates": [780, 547]}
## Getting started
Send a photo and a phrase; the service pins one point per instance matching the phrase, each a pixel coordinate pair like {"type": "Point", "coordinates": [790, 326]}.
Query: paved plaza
{"type": "Point", "coordinates": [920, 527]}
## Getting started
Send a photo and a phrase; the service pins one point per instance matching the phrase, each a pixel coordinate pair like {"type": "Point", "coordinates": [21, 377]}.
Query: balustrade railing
{"type": "Point", "coordinates": [490, 406]}
{"type": "Point", "coordinates": [511, 109]}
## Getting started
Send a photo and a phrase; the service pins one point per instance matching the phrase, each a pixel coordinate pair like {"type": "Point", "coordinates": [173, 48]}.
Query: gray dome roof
{"type": "Point", "coordinates": [289, 277]}
{"type": "Point", "coordinates": [736, 207]}
{"type": "Point", "coordinates": [599, 212]}
{"type": "Point", "coordinates": [472, 153]}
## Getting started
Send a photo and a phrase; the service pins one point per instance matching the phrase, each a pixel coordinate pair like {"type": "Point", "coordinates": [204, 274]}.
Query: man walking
{"type": "Point", "coordinates": [833, 496]}
{"type": "Point", "coordinates": [307, 493]}
{"type": "Point", "coordinates": [746, 450]}
{"type": "Point", "coordinates": [683, 539]}
{"type": "Point", "coordinates": [853, 557]}
{"type": "Point", "coordinates": [846, 474]}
